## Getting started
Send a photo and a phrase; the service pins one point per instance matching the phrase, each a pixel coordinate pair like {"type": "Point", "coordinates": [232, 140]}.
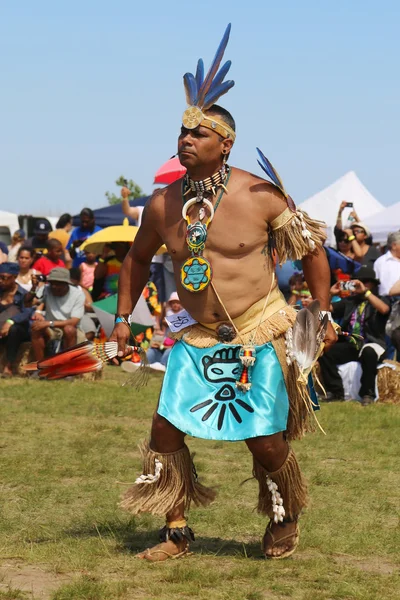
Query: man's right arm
{"type": "Point", "coordinates": [135, 271]}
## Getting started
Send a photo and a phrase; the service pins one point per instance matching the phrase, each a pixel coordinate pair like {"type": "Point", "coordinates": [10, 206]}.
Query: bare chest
{"type": "Point", "coordinates": [237, 229]}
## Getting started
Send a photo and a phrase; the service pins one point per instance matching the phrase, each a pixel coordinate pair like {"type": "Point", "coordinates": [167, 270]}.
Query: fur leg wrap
{"type": "Point", "coordinates": [291, 486]}
{"type": "Point", "coordinates": [176, 531]}
{"type": "Point", "coordinates": [175, 484]}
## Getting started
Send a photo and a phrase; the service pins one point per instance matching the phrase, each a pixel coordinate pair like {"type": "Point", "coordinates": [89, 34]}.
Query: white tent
{"type": "Point", "coordinates": [325, 205]}
{"type": "Point", "coordinates": [384, 222]}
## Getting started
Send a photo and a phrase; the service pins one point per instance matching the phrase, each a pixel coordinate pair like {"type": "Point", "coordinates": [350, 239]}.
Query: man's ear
{"type": "Point", "coordinates": [227, 144]}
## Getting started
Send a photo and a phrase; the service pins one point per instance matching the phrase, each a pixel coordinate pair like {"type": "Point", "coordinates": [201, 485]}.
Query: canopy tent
{"type": "Point", "coordinates": [112, 215]}
{"type": "Point", "coordinates": [384, 222]}
{"type": "Point", "coordinates": [325, 204]}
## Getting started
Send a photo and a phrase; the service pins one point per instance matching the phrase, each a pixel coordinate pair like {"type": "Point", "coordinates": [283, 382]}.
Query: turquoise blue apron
{"type": "Point", "coordinates": [199, 394]}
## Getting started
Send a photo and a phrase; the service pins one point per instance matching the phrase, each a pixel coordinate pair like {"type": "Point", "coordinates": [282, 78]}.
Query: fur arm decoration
{"type": "Point", "coordinates": [295, 235]}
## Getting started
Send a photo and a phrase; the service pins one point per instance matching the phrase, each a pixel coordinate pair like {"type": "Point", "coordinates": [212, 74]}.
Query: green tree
{"type": "Point", "coordinates": [136, 190]}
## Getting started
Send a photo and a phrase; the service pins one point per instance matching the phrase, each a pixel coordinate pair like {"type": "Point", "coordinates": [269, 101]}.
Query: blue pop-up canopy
{"type": "Point", "coordinates": [112, 215]}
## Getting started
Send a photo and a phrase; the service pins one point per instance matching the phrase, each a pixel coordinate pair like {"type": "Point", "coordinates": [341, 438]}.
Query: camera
{"type": "Point", "coordinates": [347, 286]}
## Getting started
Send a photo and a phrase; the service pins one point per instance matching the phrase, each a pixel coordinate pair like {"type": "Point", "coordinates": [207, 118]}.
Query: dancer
{"type": "Point", "coordinates": [228, 377]}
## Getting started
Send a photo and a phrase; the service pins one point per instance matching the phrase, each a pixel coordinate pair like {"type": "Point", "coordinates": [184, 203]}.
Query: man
{"type": "Point", "coordinates": [237, 312]}
{"type": "Point", "coordinates": [387, 267]}
{"type": "Point", "coordinates": [59, 314]}
{"type": "Point", "coordinates": [39, 241]}
{"type": "Point", "coordinates": [87, 228]}
{"type": "Point", "coordinates": [52, 259]}
{"type": "Point", "coordinates": [363, 317]}
{"type": "Point", "coordinates": [14, 316]}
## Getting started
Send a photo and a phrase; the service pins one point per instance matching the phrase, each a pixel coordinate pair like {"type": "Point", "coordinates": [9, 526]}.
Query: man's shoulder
{"type": "Point", "coordinates": [76, 293]}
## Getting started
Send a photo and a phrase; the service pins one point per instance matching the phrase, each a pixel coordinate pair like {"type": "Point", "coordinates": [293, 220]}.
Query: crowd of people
{"type": "Point", "coordinates": [48, 284]}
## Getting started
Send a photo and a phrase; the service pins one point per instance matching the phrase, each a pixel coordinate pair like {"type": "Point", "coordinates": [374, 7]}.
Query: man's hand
{"type": "Point", "coordinates": [121, 334]}
{"type": "Point", "coordinates": [40, 325]}
{"type": "Point", "coordinates": [5, 329]}
{"type": "Point", "coordinates": [342, 206]}
{"type": "Point", "coordinates": [330, 337]}
{"type": "Point", "coordinates": [359, 286]}
{"type": "Point", "coordinates": [37, 316]}
{"type": "Point", "coordinates": [125, 192]}
{"type": "Point", "coordinates": [335, 289]}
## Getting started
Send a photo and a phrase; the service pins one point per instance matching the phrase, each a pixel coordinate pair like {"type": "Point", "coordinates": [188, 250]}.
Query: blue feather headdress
{"type": "Point", "coordinates": [202, 92]}
{"type": "Point", "coordinates": [274, 177]}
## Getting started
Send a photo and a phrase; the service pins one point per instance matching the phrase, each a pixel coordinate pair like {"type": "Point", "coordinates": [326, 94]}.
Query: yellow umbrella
{"type": "Point", "coordinates": [117, 233]}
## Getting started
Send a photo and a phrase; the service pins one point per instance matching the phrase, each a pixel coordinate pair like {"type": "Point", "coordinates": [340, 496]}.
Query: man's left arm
{"type": "Point", "coordinates": [318, 276]}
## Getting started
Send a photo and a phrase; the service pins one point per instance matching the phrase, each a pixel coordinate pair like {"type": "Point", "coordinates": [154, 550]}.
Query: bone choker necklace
{"type": "Point", "coordinates": [208, 185]}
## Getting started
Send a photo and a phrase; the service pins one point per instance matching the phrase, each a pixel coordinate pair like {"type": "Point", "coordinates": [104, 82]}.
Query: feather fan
{"type": "Point", "coordinates": [204, 91]}
{"type": "Point", "coordinates": [308, 336]}
{"type": "Point", "coordinates": [82, 358]}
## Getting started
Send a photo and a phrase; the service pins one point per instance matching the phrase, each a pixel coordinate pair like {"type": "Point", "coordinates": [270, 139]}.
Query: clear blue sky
{"type": "Point", "coordinates": [93, 89]}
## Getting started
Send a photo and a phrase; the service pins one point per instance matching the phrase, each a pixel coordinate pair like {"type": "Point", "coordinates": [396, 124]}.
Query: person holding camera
{"type": "Point", "coordinates": [362, 315]}
{"type": "Point", "coordinates": [358, 235]}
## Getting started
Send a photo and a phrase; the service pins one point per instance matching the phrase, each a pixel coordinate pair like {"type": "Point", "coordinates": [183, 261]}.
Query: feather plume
{"type": "Point", "coordinates": [213, 68]}
{"type": "Point", "coordinates": [199, 73]}
{"type": "Point", "coordinates": [222, 89]}
{"type": "Point", "coordinates": [304, 339]}
{"type": "Point", "coordinates": [191, 91]}
{"type": "Point", "coordinates": [321, 331]}
{"type": "Point", "coordinates": [271, 172]}
{"type": "Point", "coordinates": [314, 308]}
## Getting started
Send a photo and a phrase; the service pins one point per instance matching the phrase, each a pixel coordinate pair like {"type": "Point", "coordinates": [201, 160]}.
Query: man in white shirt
{"type": "Point", "coordinates": [387, 267]}
{"type": "Point", "coordinates": [64, 307]}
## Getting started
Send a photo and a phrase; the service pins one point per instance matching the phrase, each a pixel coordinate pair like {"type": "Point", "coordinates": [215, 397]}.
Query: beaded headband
{"type": "Point", "coordinates": [202, 92]}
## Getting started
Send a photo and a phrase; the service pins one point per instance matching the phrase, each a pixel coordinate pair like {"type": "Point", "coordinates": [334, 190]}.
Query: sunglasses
{"type": "Point", "coordinates": [359, 231]}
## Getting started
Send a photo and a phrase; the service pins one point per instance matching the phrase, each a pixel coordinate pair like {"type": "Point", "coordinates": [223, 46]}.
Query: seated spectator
{"type": "Point", "coordinates": [39, 241]}
{"type": "Point", "coordinates": [14, 317]}
{"type": "Point", "coordinates": [87, 269]}
{"type": "Point", "coordinates": [87, 228]}
{"type": "Point", "coordinates": [45, 264]}
{"type": "Point", "coordinates": [106, 274]}
{"type": "Point", "coordinates": [363, 318]}
{"type": "Point", "coordinates": [58, 316]}
{"type": "Point", "coordinates": [161, 342]}
{"type": "Point", "coordinates": [300, 294]}
{"type": "Point", "coordinates": [387, 267]}
{"type": "Point", "coordinates": [3, 253]}
{"type": "Point", "coordinates": [89, 322]}
{"type": "Point", "coordinates": [62, 233]}
{"type": "Point", "coordinates": [25, 259]}
{"type": "Point", "coordinates": [17, 241]}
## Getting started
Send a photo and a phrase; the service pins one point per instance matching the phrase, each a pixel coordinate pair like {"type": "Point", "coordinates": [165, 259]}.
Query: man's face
{"type": "Point", "coordinates": [395, 249]}
{"type": "Point", "coordinates": [86, 222]}
{"type": "Point", "coordinates": [59, 288]}
{"type": "Point", "coordinates": [55, 253]}
{"type": "Point", "coordinates": [198, 147]}
{"type": "Point", "coordinates": [42, 237]}
{"type": "Point", "coordinates": [7, 281]}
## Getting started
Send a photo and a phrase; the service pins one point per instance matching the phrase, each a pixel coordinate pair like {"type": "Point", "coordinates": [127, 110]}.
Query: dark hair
{"type": "Point", "coordinates": [53, 243]}
{"type": "Point", "coordinates": [26, 249]}
{"type": "Point", "coordinates": [87, 212]}
{"type": "Point", "coordinates": [75, 273]}
{"type": "Point", "coordinates": [295, 278]}
{"type": "Point", "coordinates": [63, 221]}
{"type": "Point", "coordinates": [225, 115]}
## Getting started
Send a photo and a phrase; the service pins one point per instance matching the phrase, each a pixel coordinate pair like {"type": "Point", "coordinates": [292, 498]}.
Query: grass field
{"type": "Point", "coordinates": [67, 449]}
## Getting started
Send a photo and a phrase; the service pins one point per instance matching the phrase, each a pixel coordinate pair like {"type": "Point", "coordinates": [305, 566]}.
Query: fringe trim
{"type": "Point", "coordinates": [291, 485]}
{"type": "Point", "coordinates": [300, 418]}
{"type": "Point", "coordinates": [290, 243]}
{"type": "Point", "coordinates": [272, 328]}
{"type": "Point", "coordinates": [176, 485]}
